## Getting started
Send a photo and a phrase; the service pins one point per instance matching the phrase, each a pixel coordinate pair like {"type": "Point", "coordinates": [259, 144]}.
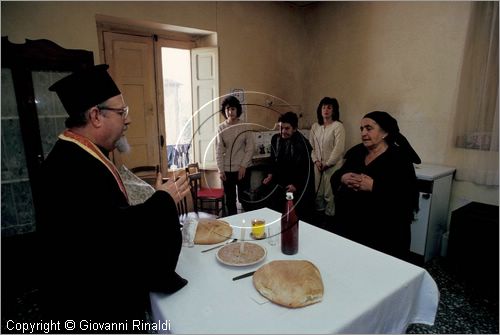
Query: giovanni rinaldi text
{"type": "Point", "coordinates": [46, 327]}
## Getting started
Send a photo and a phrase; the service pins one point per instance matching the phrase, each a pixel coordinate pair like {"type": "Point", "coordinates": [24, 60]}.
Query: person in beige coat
{"type": "Point", "coordinates": [328, 142]}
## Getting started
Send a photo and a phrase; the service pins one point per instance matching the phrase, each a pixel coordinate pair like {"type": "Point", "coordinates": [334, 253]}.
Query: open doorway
{"type": "Point", "coordinates": [170, 78]}
{"type": "Point", "coordinates": [178, 106]}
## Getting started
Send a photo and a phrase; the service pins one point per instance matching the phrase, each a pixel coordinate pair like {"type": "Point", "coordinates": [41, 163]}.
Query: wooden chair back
{"type": "Point", "coordinates": [194, 182]}
{"type": "Point", "coordinates": [146, 173]}
{"type": "Point", "coordinates": [182, 209]}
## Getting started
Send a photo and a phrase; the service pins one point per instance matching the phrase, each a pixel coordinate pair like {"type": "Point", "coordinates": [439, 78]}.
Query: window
{"type": "Point", "coordinates": [477, 111]}
{"type": "Point", "coordinates": [475, 151]}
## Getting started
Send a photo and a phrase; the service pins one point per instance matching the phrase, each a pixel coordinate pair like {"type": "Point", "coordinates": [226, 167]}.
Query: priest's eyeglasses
{"type": "Point", "coordinates": [123, 112]}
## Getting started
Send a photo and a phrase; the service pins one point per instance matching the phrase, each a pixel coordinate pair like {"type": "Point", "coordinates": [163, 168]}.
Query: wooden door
{"type": "Point", "coordinates": [131, 61]}
{"type": "Point", "coordinates": [205, 83]}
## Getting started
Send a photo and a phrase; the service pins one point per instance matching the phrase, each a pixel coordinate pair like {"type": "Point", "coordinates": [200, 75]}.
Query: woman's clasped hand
{"type": "Point", "coordinates": [357, 182]}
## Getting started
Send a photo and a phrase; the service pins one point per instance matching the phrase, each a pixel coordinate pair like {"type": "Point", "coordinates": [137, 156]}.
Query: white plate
{"type": "Point", "coordinates": [230, 254]}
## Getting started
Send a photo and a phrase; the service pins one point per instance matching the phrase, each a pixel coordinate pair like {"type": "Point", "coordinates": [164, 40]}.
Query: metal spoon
{"type": "Point", "coordinates": [220, 245]}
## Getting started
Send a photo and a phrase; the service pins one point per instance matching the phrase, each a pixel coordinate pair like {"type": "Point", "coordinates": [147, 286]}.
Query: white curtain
{"type": "Point", "coordinates": [475, 147]}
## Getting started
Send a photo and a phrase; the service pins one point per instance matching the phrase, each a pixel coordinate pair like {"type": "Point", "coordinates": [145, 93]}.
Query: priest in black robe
{"type": "Point", "coordinates": [100, 257]}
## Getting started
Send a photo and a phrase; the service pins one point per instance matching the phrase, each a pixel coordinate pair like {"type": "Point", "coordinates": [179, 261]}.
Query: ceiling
{"type": "Point", "coordinates": [301, 4]}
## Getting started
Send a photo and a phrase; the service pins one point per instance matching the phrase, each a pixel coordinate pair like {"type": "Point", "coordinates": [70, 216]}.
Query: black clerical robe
{"type": "Point", "coordinates": [100, 257]}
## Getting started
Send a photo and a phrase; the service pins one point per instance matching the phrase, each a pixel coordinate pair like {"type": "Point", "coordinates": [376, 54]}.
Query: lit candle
{"type": "Point", "coordinates": [242, 237]}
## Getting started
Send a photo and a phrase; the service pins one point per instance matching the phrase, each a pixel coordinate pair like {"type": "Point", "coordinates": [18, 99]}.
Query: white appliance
{"type": "Point", "coordinates": [431, 221]}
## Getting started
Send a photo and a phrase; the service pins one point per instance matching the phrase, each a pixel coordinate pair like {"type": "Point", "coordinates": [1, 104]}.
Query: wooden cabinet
{"type": "Point", "coordinates": [32, 118]}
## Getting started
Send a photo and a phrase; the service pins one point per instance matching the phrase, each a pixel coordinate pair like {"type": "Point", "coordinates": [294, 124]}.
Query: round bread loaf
{"type": "Point", "coordinates": [295, 283]}
{"type": "Point", "coordinates": [211, 231]}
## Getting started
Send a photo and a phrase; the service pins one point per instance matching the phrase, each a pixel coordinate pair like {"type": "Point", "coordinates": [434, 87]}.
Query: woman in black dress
{"type": "Point", "coordinates": [376, 193]}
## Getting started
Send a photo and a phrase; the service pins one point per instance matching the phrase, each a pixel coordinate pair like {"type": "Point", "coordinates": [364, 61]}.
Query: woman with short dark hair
{"type": "Point", "coordinates": [328, 142]}
{"type": "Point", "coordinates": [235, 147]}
{"type": "Point", "coordinates": [291, 168]}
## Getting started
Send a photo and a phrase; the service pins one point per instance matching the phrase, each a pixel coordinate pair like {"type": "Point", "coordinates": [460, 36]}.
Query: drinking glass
{"type": "Point", "coordinates": [272, 234]}
{"type": "Point", "coordinates": [258, 228]}
{"type": "Point", "coordinates": [188, 232]}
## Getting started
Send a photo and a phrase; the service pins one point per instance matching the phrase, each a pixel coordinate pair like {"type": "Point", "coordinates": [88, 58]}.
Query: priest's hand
{"type": "Point", "coordinates": [177, 186]}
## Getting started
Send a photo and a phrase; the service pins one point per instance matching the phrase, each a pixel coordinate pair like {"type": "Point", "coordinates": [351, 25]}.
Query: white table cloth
{"type": "Point", "coordinates": [365, 291]}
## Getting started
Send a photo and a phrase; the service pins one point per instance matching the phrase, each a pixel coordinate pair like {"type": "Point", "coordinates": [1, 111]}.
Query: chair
{"type": "Point", "coordinates": [183, 210]}
{"type": "Point", "coordinates": [185, 206]}
{"type": "Point", "coordinates": [147, 173]}
{"type": "Point", "coordinates": [204, 198]}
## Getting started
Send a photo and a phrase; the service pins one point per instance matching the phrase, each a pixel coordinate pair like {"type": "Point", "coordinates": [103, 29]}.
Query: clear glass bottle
{"type": "Point", "coordinates": [289, 227]}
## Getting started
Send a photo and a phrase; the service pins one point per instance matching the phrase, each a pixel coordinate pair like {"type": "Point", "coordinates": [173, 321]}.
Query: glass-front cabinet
{"type": "Point", "coordinates": [31, 119]}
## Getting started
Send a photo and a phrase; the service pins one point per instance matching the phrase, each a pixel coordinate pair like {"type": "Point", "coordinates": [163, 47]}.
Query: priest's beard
{"type": "Point", "coordinates": [122, 145]}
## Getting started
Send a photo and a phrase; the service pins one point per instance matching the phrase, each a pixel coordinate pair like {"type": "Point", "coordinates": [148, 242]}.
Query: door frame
{"type": "Point", "coordinates": [164, 35]}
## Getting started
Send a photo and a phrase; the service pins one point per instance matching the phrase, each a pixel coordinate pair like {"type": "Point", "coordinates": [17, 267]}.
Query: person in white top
{"type": "Point", "coordinates": [328, 142]}
{"type": "Point", "coordinates": [235, 147]}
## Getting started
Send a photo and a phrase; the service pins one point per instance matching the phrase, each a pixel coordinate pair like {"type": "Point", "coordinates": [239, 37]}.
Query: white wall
{"type": "Point", "coordinates": [401, 57]}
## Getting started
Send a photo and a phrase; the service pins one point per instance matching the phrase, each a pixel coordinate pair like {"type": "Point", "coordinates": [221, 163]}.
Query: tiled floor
{"type": "Point", "coordinates": [462, 309]}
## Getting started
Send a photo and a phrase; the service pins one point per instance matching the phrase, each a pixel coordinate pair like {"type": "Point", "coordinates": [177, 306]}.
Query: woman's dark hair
{"type": "Point", "coordinates": [231, 101]}
{"type": "Point", "coordinates": [291, 118]}
{"type": "Point", "coordinates": [335, 107]}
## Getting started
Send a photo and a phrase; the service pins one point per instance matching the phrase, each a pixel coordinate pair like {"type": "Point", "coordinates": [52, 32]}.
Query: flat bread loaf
{"type": "Point", "coordinates": [293, 284]}
{"type": "Point", "coordinates": [211, 231]}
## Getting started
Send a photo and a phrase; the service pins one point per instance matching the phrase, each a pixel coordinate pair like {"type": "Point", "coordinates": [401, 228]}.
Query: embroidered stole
{"type": "Point", "coordinates": [93, 150]}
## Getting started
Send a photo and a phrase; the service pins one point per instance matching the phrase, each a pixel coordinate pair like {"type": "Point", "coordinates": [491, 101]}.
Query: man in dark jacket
{"type": "Point", "coordinates": [100, 256]}
{"type": "Point", "coordinates": [292, 168]}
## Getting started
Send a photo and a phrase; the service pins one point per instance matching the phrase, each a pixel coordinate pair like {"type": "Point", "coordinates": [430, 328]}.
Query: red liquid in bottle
{"type": "Point", "coordinates": [289, 227]}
